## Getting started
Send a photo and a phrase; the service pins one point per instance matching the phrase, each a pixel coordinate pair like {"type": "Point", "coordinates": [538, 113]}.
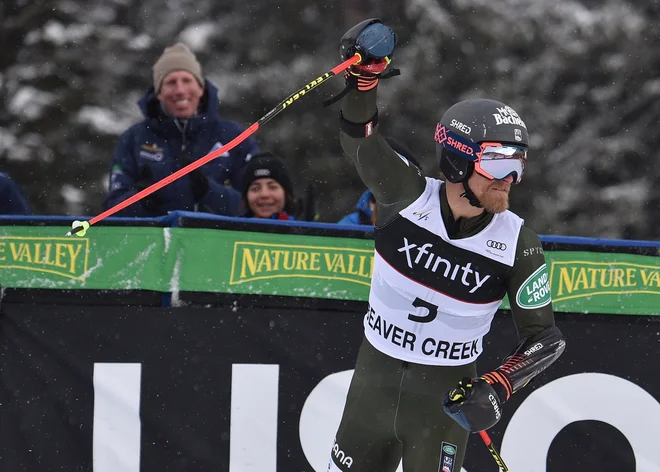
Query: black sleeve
{"type": "Point", "coordinates": [528, 287]}
{"type": "Point", "coordinates": [394, 182]}
{"type": "Point", "coordinates": [540, 341]}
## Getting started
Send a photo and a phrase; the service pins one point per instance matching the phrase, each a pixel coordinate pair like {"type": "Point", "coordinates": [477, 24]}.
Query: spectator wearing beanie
{"type": "Point", "coordinates": [267, 189]}
{"type": "Point", "coordinates": [181, 125]}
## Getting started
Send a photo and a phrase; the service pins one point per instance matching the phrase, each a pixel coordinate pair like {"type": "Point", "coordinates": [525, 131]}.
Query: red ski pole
{"type": "Point", "coordinates": [493, 452]}
{"type": "Point", "coordinates": [81, 227]}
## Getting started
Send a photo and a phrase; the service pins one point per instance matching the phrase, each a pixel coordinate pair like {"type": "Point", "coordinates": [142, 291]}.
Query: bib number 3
{"type": "Point", "coordinates": [430, 307]}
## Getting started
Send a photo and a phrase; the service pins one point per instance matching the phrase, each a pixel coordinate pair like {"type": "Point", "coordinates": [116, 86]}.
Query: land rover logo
{"type": "Point", "coordinates": [449, 450]}
{"type": "Point", "coordinates": [535, 291]}
{"type": "Point", "coordinates": [496, 245]}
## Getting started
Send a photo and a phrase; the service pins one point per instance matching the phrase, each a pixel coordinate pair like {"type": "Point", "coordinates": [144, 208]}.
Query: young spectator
{"type": "Point", "coordinates": [366, 206]}
{"type": "Point", "coordinates": [267, 189]}
{"type": "Point", "coordinates": [181, 125]}
{"type": "Point", "coordinates": [12, 200]}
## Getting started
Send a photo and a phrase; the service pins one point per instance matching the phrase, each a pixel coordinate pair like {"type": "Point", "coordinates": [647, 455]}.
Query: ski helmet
{"type": "Point", "coordinates": [476, 121]}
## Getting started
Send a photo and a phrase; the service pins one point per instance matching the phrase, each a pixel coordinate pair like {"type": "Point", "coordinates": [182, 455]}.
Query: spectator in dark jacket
{"type": "Point", "coordinates": [267, 189]}
{"type": "Point", "coordinates": [12, 200]}
{"type": "Point", "coordinates": [366, 205]}
{"type": "Point", "coordinates": [181, 125]}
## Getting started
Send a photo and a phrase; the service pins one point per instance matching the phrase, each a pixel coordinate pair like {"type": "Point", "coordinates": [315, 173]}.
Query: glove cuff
{"type": "Point", "coordinates": [370, 69]}
{"type": "Point", "coordinates": [362, 83]}
{"type": "Point", "coordinates": [500, 384]}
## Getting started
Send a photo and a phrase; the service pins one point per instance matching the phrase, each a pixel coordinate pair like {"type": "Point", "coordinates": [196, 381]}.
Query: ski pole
{"type": "Point", "coordinates": [493, 451]}
{"type": "Point", "coordinates": [81, 227]}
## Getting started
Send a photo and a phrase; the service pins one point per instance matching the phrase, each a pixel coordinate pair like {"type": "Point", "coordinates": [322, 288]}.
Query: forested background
{"type": "Point", "coordinates": [584, 75]}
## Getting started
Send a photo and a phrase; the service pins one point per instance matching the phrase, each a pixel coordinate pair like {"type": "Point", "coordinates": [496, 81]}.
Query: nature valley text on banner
{"type": "Point", "coordinates": [109, 258]}
{"type": "Point", "coordinates": [261, 261]}
{"type": "Point", "coordinates": [605, 283]}
{"type": "Point", "coordinates": [65, 257]}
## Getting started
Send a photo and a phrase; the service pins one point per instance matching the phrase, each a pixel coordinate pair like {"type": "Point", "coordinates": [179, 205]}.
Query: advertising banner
{"type": "Point", "coordinates": [274, 264]}
{"type": "Point", "coordinates": [612, 282]}
{"type": "Point", "coordinates": [142, 389]}
{"type": "Point", "coordinates": [299, 265]}
{"type": "Point", "coordinates": [126, 258]}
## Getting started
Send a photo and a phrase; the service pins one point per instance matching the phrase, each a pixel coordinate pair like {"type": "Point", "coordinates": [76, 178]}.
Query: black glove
{"type": "Point", "coordinates": [199, 183]}
{"type": "Point", "coordinates": [153, 203]}
{"type": "Point", "coordinates": [374, 41]}
{"type": "Point", "coordinates": [473, 404]}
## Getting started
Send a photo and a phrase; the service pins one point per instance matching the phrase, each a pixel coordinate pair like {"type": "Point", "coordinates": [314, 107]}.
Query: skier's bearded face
{"type": "Point", "coordinates": [493, 194]}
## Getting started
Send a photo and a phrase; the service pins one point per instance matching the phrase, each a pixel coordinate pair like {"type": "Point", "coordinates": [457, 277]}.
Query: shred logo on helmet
{"type": "Point", "coordinates": [460, 126]}
{"type": "Point", "coordinates": [442, 136]}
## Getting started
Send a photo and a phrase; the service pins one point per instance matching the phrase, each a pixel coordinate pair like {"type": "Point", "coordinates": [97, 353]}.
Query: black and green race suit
{"type": "Point", "coordinates": [394, 408]}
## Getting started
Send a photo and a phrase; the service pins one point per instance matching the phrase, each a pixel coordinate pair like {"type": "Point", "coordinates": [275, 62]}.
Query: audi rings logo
{"type": "Point", "coordinates": [496, 245]}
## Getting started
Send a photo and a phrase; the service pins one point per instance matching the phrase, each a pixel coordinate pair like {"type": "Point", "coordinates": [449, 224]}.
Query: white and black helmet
{"type": "Point", "coordinates": [476, 121]}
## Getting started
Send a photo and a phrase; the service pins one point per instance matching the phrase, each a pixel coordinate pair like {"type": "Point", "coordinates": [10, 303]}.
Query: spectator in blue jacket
{"type": "Point", "coordinates": [366, 206]}
{"type": "Point", "coordinates": [267, 189]}
{"type": "Point", "coordinates": [12, 200]}
{"type": "Point", "coordinates": [366, 211]}
{"type": "Point", "coordinates": [181, 125]}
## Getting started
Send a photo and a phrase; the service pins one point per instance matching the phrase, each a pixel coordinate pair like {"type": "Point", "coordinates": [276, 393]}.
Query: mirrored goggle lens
{"type": "Point", "coordinates": [502, 161]}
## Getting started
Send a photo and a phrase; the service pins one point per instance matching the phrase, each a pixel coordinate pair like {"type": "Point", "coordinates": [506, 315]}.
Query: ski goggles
{"type": "Point", "coordinates": [495, 161]}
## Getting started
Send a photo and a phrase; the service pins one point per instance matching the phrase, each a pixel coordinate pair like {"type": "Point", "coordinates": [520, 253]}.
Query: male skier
{"type": "Point", "coordinates": [446, 254]}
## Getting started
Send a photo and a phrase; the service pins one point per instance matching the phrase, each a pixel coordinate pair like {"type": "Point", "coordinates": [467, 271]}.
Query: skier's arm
{"type": "Point", "coordinates": [476, 403]}
{"type": "Point", "coordinates": [540, 341]}
{"type": "Point", "coordinates": [394, 182]}
{"type": "Point", "coordinates": [391, 179]}
{"type": "Point", "coordinates": [528, 287]}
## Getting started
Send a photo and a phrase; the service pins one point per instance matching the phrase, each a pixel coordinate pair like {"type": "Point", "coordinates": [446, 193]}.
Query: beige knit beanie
{"type": "Point", "coordinates": [177, 57]}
